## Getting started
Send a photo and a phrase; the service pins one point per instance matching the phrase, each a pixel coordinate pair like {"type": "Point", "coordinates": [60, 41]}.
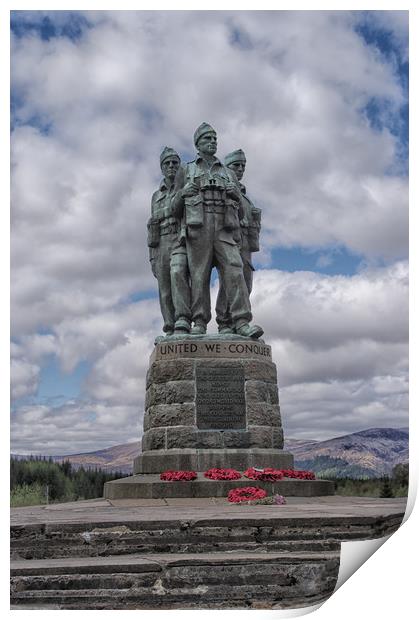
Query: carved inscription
{"type": "Point", "coordinates": [220, 400]}
{"type": "Point", "coordinates": [215, 349]}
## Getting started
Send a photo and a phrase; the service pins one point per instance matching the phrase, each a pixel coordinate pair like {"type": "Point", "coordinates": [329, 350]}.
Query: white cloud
{"type": "Point", "coordinates": [119, 376]}
{"type": "Point", "coordinates": [24, 378]}
{"type": "Point", "coordinates": [96, 335]}
{"type": "Point", "coordinates": [340, 345]}
{"type": "Point", "coordinates": [92, 115]}
{"type": "Point", "coordinates": [324, 260]}
{"type": "Point", "coordinates": [330, 409]}
{"type": "Point", "coordinates": [329, 311]}
{"type": "Point", "coordinates": [41, 429]}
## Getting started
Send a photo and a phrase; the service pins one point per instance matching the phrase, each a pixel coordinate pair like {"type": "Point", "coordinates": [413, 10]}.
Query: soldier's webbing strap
{"type": "Point", "coordinates": [190, 172]}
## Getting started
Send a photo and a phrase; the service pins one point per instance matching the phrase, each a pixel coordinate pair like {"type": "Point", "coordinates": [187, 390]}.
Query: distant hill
{"type": "Point", "coordinates": [370, 453]}
{"type": "Point", "coordinates": [116, 458]}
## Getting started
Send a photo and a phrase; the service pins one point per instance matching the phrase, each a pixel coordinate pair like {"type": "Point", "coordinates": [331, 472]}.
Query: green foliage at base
{"type": "Point", "coordinates": [27, 495]}
{"type": "Point", "coordinates": [38, 481]}
{"type": "Point", "coordinates": [386, 488]}
{"type": "Point", "coordinates": [328, 468]}
{"type": "Point", "coordinates": [372, 487]}
{"type": "Point", "coordinates": [400, 474]}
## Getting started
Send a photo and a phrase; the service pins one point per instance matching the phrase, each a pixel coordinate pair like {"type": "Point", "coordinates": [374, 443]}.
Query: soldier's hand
{"type": "Point", "coordinates": [232, 191]}
{"type": "Point", "coordinates": [190, 189]}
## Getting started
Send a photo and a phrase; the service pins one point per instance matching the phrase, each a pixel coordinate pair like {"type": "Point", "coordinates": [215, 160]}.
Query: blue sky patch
{"type": "Point", "coordinates": [142, 295]}
{"type": "Point", "coordinates": [55, 384]}
{"type": "Point", "coordinates": [336, 261]}
{"type": "Point", "coordinates": [383, 40]}
{"type": "Point", "coordinates": [25, 23]}
{"type": "Point", "coordinates": [239, 38]}
{"type": "Point", "coordinates": [377, 111]}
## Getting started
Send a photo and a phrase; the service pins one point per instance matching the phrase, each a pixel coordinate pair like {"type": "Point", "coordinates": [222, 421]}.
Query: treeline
{"type": "Point", "coordinates": [395, 485]}
{"type": "Point", "coordinates": [37, 480]}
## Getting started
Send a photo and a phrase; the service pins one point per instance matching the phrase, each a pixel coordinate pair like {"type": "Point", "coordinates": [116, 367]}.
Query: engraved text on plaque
{"type": "Point", "coordinates": [220, 401]}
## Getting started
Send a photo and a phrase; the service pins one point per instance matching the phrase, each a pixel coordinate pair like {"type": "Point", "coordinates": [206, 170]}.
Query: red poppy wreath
{"type": "Point", "coordinates": [173, 476]}
{"type": "Point", "coordinates": [245, 494]}
{"type": "Point", "coordinates": [216, 473]}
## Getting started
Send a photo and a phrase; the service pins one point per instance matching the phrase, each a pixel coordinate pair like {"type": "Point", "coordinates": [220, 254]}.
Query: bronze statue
{"type": "Point", "coordinates": [167, 251]}
{"type": "Point", "coordinates": [201, 206]}
{"type": "Point", "coordinates": [250, 229]}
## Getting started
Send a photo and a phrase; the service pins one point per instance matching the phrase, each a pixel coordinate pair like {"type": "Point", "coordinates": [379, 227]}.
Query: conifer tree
{"type": "Point", "coordinates": [386, 489]}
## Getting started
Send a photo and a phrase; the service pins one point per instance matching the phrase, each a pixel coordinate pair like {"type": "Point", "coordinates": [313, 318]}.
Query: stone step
{"type": "Point", "coordinates": [216, 580]}
{"type": "Point", "coordinates": [149, 486]}
{"type": "Point", "coordinates": [122, 549]}
{"type": "Point", "coordinates": [202, 554]}
{"type": "Point", "coordinates": [83, 581]}
{"type": "Point", "coordinates": [57, 540]}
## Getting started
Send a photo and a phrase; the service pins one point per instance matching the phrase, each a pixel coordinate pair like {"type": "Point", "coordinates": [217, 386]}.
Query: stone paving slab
{"type": "Point", "coordinates": [198, 502]}
{"type": "Point", "coordinates": [102, 511]}
{"type": "Point", "coordinates": [88, 504]}
{"type": "Point", "coordinates": [127, 503]}
{"type": "Point", "coordinates": [81, 565]}
{"type": "Point", "coordinates": [154, 562]}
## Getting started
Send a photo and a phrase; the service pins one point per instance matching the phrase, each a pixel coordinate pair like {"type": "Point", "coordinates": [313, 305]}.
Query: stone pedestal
{"type": "Point", "coordinates": [211, 403]}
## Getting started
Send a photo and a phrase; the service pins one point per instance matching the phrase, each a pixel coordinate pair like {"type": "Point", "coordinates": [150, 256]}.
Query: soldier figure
{"type": "Point", "coordinates": [167, 251]}
{"type": "Point", "coordinates": [208, 197]}
{"type": "Point", "coordinates": [250, 229]}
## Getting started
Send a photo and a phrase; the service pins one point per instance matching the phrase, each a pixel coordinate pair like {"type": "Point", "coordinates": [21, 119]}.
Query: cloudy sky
{"type": "Point", "coordinates": [317, 100]}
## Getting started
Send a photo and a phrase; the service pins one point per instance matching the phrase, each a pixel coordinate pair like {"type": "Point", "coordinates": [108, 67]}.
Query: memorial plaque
{"type": "Point", "coordinates": [220, 400]}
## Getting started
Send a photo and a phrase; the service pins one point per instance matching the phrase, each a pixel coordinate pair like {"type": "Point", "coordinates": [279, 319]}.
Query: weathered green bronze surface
{"type": "Point", "coordinates": [167, 253]}
{"type": "Point", "coordinates": [249, 229]}
{"type": "Point", "coordinates": [202, 219]}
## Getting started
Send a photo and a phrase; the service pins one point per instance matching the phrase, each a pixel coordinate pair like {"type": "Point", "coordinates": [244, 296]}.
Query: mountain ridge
{"type": "Point", "coordinates": [368, 453]}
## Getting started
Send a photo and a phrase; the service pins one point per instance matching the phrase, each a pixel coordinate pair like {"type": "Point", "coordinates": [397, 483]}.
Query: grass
{"type": "Point", "coordinates": [27, 495]}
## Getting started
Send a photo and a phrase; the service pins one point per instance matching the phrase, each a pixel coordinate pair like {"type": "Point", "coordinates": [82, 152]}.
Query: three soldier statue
{"type": "Point", "coordinates": [201, 218]}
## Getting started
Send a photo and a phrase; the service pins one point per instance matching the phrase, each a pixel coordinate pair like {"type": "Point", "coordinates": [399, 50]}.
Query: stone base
{"type": "Point", "coordinates": [187, 553]}
{"type": "Point", "coordinates": [210, 402]}
{"type": "Point", "coordinates": [211, 394]}
{"type": "Point", "coordinates": [150, 486]}
{"type": "Point", "coordinates": [157, 461]}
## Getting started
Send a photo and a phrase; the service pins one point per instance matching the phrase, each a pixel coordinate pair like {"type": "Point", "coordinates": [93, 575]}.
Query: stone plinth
{"type": "Point", "coordinates": [151, 487]}
{"type": "Point", "coordinates": [203, 459]}
{"type": "Point", "coordinates": [211, 402]}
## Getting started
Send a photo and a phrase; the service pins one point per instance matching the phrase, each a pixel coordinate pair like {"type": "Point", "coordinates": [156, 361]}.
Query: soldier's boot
{"type": "Point", "coordinates": [182, 326]}
{"type": "Point", "coordinates": [225, 329]}
{"type": "Point", "coordinates": [250, 331]}
{"type": "Point", "coordinates": [199, 329]}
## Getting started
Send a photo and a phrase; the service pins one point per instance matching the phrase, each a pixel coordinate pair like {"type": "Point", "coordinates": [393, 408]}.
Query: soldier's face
{"type": "Point", "coordinates": [207, 144]}
{"type": "Point", "coordinates": [169, 167]}
{"type": "Point", "coordinates": [238, 167]}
